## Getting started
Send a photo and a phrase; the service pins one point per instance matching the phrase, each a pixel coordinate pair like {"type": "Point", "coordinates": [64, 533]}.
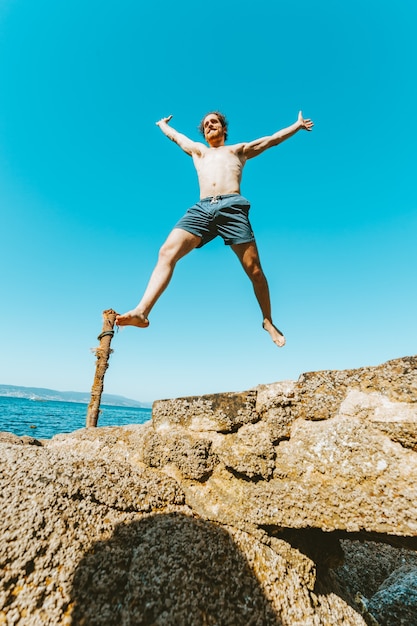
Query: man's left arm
{"type": "Point", "coordinates": [253, 148]}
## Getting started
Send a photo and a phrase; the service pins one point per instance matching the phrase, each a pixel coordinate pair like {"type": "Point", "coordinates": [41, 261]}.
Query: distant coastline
{"type": "Point", "coordinates": [82, 397]}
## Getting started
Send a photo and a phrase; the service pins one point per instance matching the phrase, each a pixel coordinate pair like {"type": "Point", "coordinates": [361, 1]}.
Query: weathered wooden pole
{"type": "Point", "coordinates": [103, 353]}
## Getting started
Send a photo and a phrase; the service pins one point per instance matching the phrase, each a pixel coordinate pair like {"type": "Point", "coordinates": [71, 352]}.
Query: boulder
{"type": "Point", "coordinates": [260, 507]}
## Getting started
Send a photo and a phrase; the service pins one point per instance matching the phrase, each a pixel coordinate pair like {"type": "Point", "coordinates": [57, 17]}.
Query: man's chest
{"type": "Point", "coordinates": [216, 159]}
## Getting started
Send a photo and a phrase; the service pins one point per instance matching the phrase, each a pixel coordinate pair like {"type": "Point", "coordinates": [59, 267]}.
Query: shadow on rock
{"type": "Point", "coordinates": [168, 570]}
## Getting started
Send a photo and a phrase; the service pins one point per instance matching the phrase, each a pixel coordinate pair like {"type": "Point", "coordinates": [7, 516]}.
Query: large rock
{"type": "Point", "coordinates": [225, 509]}
{"type": "Point", "coordinates": [395, 601]}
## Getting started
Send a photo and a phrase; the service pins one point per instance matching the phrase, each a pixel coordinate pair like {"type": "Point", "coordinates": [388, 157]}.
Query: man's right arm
{"type": "Point", "coordinates": [186, 144]}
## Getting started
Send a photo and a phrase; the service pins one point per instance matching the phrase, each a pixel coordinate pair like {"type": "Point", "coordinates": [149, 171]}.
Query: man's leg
{"type": "Point", "coordinates": [249, 257]}
{"type": "Point", "coordinates": [178, 244]}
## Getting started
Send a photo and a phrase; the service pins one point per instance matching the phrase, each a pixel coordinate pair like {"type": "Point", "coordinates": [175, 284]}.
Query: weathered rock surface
{"type": "Point", "coordinates": [233, 509]}
{"type": "Point", "coordinates": [396, 600]}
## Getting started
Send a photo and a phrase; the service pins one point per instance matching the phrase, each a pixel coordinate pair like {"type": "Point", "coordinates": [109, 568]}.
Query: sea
{"type": "Point", "coordinates": [42, 419]}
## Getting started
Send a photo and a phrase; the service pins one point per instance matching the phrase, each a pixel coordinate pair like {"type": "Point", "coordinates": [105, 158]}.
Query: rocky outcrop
{"type": "Point", "coordinates": [274, 506]}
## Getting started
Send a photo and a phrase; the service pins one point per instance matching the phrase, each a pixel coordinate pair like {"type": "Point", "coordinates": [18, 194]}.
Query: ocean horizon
{"type": "Point", "coordinates": [42, 419]}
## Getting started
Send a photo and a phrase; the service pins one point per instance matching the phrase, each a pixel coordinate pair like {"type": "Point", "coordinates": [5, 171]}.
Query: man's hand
{"type": "Point", "coordinates": [164, 119]}
{"type": "Point", "coordinates": [306, 124]}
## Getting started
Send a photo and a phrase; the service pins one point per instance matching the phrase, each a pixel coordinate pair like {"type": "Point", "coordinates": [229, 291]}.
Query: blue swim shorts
{"type": "Point", "coordinates": [225, 215]}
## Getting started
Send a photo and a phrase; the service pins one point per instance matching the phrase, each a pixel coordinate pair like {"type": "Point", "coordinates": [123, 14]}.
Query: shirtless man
{"type": "Point", "coordinates": [220, 211]}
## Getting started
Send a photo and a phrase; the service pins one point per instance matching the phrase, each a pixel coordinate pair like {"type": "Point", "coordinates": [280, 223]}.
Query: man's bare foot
{"type": "Point", "coordinates": [132, 318]}
{"type": "Point", "coordinates": [276, 335]}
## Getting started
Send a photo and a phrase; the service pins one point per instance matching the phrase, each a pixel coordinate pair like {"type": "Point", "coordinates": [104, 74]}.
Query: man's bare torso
{"type": "Point", "coordinates": [219, 170]}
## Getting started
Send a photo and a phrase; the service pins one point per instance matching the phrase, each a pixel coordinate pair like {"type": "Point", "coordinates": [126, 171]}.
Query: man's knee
{"type": "Point", "coordinates": [166, 253]}
{"type": "Point", "coordinates": [254, 271]}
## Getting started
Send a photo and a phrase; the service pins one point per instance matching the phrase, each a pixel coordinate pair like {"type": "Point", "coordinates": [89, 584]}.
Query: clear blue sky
{"type": "Point", "coordinates": [90, 188]}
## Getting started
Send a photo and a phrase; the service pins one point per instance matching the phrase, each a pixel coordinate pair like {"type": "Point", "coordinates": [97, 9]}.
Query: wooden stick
{"type": "Point", "coordinates": [103, 353]}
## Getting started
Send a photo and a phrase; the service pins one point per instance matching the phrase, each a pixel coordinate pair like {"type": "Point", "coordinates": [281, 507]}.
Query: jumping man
{"type": "Point", "coordinates": [220, 211]}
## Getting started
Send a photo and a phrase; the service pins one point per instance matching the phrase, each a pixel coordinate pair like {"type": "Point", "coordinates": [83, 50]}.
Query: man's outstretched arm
{"type": "Point", "coordinates": [253, 148]}
{"type": "Point", "coordinates": [186, 144]}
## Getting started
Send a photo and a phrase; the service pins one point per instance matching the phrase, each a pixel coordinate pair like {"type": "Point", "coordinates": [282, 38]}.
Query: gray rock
{"type": "Point", "coordinates": [395, 603]}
